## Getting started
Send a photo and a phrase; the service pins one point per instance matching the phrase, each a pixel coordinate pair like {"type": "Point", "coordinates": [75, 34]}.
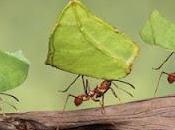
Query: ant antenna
{"type": "Point", "coordinates": [114, 93]}
{"type": "Point", "coordinates": [127, 83]}
{"type": "Point", "coordinates": [70, 84]}
{"type": "Point", "coordinates": [123, 90]}
{"type": "Point", "coordinates": [159, 82]}
{"type": "Point", "coordinates": [157, 68]}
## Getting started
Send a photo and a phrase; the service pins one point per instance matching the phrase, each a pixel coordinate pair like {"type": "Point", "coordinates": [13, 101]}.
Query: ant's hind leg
{"type": "Point", "coordinates": [70, 85]}
{"type": "Point", "coordinates": [157, 86]}
{"type": "Point", "coordinates": [157, 68]}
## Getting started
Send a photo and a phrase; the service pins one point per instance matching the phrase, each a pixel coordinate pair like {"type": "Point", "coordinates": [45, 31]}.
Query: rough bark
{"type": "Point", "coordinates": [151, 114]}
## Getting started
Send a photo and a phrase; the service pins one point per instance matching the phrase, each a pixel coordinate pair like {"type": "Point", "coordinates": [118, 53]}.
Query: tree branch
{"type": "Point", "coordinates": [151, 114]}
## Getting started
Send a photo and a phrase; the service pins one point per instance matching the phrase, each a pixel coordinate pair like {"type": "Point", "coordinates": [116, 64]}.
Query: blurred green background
{"type": "Point", "coordinates": [26, 25]}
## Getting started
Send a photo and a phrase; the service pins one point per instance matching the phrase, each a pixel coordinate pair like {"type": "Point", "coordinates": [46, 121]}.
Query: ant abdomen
{"type": "Point", "coordinates": [78, 101]}
{"type": "Point", "coordinates": [171, 78]}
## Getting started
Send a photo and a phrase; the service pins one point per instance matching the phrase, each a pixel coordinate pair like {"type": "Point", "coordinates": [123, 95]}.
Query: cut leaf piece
{"type": "Point", "coordinates": [13, 70]}
{"type": "Point", "coordinates": [83, 44]}
{"type": "Point", "coordinates": [159, 31]}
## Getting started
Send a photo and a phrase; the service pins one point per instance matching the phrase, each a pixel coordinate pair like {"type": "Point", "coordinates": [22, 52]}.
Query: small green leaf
{"type": "Point", "coordinates": [159, 31]}
{"type": "Point", "coordinates": [83, 44]}
{"type": "Point", "coordinates": [13, 70]}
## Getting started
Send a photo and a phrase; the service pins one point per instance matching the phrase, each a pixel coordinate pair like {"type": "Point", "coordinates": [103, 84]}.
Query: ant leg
{"type": "Point", "coordinates": [159, 82]}
{"type": "Point", "coordinates": [12, 106]}
{"type": "Point", "coordinates": [70, 84]}
{"type": "Point", "coordinates": [157, 68]}
{"type": "Point", "coordinates": [113, 92]}
{"type": "Point", "coordinates": [84, 85]}
{"type": "Point", "coordinates": [7, 103]}
{"type": "Point", "coordinates": [68, 96]}
{"type": "Point", "coordinates": [2, 102]}
{"type": "Point", "coordinates": [9, 95]}
{"type": "Point", "coordinates": [101, 103]}
{"type": "Point", "coordinates": [87, 86]}
{"type": "Point", "coordinates": [123, 90]}
{"type": "Point", "coordinates": [96, 100]}
{"type": "Point", "coordinates": [124, 82]}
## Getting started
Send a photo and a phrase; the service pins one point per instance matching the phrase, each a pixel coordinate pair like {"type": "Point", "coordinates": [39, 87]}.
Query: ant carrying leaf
{"type": "Point", "coordinates": [159, 31]}
{"type": "Point", "coordinates": [171, 76]}
{"type": "Point", "coordinates": [80, 39]}
{"type": "Point", "coordinates": [97, 94]}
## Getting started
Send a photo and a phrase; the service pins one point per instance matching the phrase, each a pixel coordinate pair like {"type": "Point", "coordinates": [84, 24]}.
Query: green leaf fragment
{"type": "Point", "coordinates": [83, 44]}
{"type": "Point", "coordinates": [159, 31]}
{"type": "Point", "coordinates": [13, 70]}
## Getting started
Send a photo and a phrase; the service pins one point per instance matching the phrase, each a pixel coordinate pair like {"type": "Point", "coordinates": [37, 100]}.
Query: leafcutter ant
{"type": "Point", "coordinates": [171, 76]}
{"type": "Point", "coordinates": [97, 93]}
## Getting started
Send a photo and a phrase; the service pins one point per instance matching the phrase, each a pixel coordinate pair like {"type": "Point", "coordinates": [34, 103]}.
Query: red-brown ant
{"type": "Point", "coordinates": [96, 93]}
{"type": "Point", "coordinates": [171, 76]}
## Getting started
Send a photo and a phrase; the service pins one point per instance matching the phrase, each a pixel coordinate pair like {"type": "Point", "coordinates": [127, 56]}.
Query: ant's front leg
{"type": "Point", "coordinates": [85, 85]}
{"type": "Point", "coordinates": [157, 68]}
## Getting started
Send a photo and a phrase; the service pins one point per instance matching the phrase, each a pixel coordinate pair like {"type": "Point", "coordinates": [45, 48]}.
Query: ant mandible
{"type": "Point", "coordinates": [96, 93]}
{"type": "Point", "coordinates": [171, 76]}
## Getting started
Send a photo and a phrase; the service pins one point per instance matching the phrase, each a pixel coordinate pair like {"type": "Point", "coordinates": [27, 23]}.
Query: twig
{"type": "Point", "coordinates": [151, 114]}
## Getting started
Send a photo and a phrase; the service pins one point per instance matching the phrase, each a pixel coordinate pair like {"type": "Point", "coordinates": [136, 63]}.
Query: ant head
{"type": "Point", "coordinates": [78, 101]}
{"type": "Point", "coordinates": [171, 78]}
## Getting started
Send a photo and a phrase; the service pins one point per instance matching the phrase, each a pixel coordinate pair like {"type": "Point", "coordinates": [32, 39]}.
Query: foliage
{"type": "Point", "coordinates": [159, 31]}
{"type": "Point", "coordinates": [83, 44]}
{"type": "Point", "coordinates": [13, 70]}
